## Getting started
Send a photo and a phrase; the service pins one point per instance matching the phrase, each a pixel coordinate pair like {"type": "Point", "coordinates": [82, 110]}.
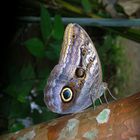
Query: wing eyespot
{"type": "Point", "coordinates": [83, 51]}
{"type": "Point", "coordinates": [73, 36]}
{"type": "Point", "coordinates": [80, 72]}
{"type": "Point", "coordinates": [66, 94]}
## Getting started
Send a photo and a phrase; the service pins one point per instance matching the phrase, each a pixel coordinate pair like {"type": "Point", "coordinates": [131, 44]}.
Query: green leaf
{"type": "Point", "coordinates": [44, 72]}
{"type": "Point", "coordinates": [18, 109]}
{"type": "Point", "coordinates": [133, 34]}
{"type": "Point", "coordinates": [20, 91]}
{"type": "Point", "coordinates": [86, 5]}
{"type": "Point", "coordinates": [46, 115]}
{"type": "Point", "coordinates": [54, 51]}
{"type": "Point", "coordinates": [12, 90]}
{"type": "Point", "coordinates": [27, 72]}
{"type": "Point", "coordinates": [50, 55]}
{"type": "Point", "coordinates": [58, 29]}
{"type": "Point", "coordinates": [41, 85]}
{"type": "Point", "coordinates": [46, 25]}
{"type": "Point", "coordinates": [16, 126]}
{"type": "Point", "coordinates": [24, 91]}
{"type": "Point", "coordinates": [35, 47]}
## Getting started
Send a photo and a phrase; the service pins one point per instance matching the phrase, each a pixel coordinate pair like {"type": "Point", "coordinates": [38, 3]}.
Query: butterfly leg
{"type": "Point", "coordinates": [100, 101]}
{"type": "Point", "coordinates": [94, 98]}
{"type": "Point", "coordinates": [93, 101]}
{"type": "Point", "coordinates": [105, 87]}
{"type": "Point", "coordinates": [111, 94]}
{"type": "Point", "coordinates": [105, 98]}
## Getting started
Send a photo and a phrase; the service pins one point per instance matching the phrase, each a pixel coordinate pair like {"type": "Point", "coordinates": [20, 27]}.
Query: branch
{"type": "Point", "coordinates": [118, 120]}
{"type": "Point", "coordinates": [88, 21]}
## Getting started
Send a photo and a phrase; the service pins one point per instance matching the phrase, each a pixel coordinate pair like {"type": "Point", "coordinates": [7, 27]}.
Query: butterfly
{"type": "Point", "coordinates": [76, 81]}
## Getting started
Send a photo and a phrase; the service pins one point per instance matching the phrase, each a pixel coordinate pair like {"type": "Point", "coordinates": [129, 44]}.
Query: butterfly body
{"type": "Point", "coordinates": [77, 76]}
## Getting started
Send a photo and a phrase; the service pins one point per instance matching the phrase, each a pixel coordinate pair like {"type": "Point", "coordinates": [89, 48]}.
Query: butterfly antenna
{"type": "Point", "coordinates": [111, 94]}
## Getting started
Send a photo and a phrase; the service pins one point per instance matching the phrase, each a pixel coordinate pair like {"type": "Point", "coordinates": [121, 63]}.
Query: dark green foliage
{"type": "Point", "coordinates": [35, 47]}
{"type": "Point", "coordinates": [58, 29]}
{"type": "Point", "coordinates": [27, 82]}
{"type": "Point", "coordinates": [16, 126]}
{"type": "Point", "coordinates": [53, 51]}
{"type": "Point", "coordinates": [46, 25]}
{"type": "Point", "coordinates": [86, 5]}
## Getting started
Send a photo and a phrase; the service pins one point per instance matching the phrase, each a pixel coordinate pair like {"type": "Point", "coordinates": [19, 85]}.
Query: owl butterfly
{"type": "Point", "coordinates": [76, 81]}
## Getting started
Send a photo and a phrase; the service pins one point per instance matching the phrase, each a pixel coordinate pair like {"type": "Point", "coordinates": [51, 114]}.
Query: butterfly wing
{"type": "Point", "coordinates": [77, 76]}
